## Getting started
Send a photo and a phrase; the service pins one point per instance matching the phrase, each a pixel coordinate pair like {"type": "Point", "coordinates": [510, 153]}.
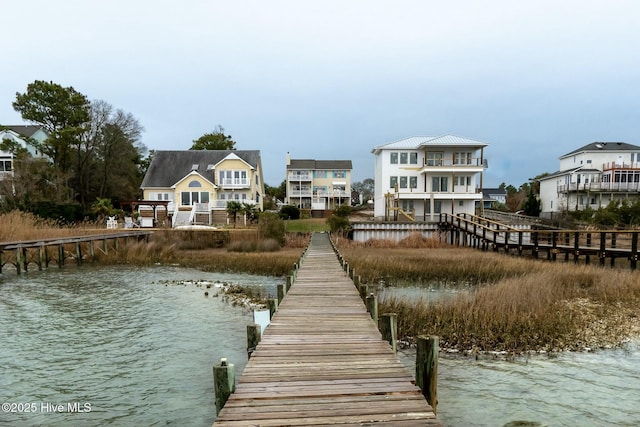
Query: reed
{"type": "Point", "coordinates": [16, 226]}
{"type": "Point", "coordinates": [516, 304]}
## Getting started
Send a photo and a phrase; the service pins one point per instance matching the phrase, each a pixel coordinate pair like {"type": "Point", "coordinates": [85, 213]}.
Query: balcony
{"type": "Point", "coordinates": [234, 183]}
{"type": "Point", "coordinates": [450, 165]}
{"type": "Point", "coordinates": [625, 187]}
{"type": "Point", "coordinates": [334, 193]}
{"type": "Point", "coordinates": [620, 166]}
{"type": "Point", "coordinates": [299, 177]}
{"type": "Point", "coordinates": [300, 193]}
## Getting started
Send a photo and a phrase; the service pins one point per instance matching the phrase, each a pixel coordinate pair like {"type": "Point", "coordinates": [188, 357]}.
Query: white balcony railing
{"type": "Point", "coordinates": [234, 182]}
{"type": "Point", "coordinates": [300, 193]}
{"type": "Point", "coordinates": [473, 162]}
{"type": "Point", "coordinates": [600, 186]}
{"type": "Point", "coordinates": [299, 177]}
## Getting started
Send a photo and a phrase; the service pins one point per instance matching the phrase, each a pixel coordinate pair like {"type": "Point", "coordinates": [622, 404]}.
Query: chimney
{"type": "Point", "coordinates": [288, 159]}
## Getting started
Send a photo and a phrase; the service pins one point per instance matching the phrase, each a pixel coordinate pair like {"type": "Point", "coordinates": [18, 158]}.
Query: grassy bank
{"type": "Point", "coordinates": [517, 304]}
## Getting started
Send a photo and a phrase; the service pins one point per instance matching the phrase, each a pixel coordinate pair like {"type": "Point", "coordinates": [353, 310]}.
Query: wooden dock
{"type": "Point", "coordinates": [322, 361]}
{"type": "Point", "coordinates": [43, 252]}
{"type": "Point", "coordinates": [570, 245]}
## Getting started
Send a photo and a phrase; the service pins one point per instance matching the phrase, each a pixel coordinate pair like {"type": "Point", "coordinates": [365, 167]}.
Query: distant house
{"type": "Point", "coordinates": [419, 177]}
{"type": "Point", "coordinates": [19, 134]}
{"type": "Point", "coordinates": [592, 176]}
{"type": "Point", "coordinates": [194, 186]}
{"type": "Point", "coordinates": [318, 184]}
{"type": "Point", "coordinates": [493, 195]}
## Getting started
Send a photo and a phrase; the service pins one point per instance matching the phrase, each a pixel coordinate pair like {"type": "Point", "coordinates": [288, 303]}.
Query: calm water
{"type": "Point", "coordinates": [130, 342]}
{"type": "Point", "coordinates": [139, 348]}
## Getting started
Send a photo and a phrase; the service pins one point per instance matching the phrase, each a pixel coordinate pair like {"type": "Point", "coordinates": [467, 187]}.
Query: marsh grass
{"type": "Point", "coordinates": [516, 304]}
{"type": "Point", "coordinates": [16, 225]}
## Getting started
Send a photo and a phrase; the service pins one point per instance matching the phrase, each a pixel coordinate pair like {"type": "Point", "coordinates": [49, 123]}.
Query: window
{"type": "Point", "coordinates": [434, 159]}
{"type": "Point", "coordinates": [413, 158]}
{"type": "Point", "coordinates": [394, 158]}
{"type": "Point", "coordinates": [339, 174]}
{"type": "Point", "coordinates": [6, 166]}
{"type": "Point", "coordinates": [233, 177]}
{"type": "Point", "coordinates": [189, 198]}
{"type": "Point", "coordinates": [404, 158]}
{"type": "Point", "coordinates": [439, 184]}
{"type": "Point", "coordinates": [463, 158]}
{"type": "Point", "coordinates": [437, 207]}
{"type": "Point", "coordinates": [393, 181]}
{"type": "Point", "coordinates": [319, 174]}
{"type": "Point", "coordinates": [403, 182]}
{"type": "Point", "coordinates": [194, 184]}
{"type": "Point", "coordinates": [413, 182]}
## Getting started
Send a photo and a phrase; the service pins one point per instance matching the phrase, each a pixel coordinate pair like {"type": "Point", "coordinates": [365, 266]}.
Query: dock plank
{"type": "Point", "coordinates": [322, 360]}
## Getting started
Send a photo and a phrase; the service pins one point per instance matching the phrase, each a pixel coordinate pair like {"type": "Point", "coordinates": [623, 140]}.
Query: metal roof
{"type": "Point", "coordinates": [417, 142]}
{"type": "Point", "coordinates": [169, 167]}
{"type": "Point", "coordinates": [24, 130]}
{"type": "Point", "coordinates": [604, 146]}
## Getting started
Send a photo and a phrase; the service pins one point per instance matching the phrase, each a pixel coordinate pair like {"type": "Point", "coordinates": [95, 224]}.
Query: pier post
{"type": "Point", "coordinates": [427, 368]}
{"type": "Point", "coordinates": [289, 282]}
{"type": "Point", "coordinates": [372, 306]}
{"type": "Point", "coordinates": [272, 303]}
{"type": "Point", "coordinates": [18, 259]}
{"type": "Point", "coordinates": [281, 292]}
{"type": "Point", "coordinates": [253, 337]}
{"type": "Point", "coordinates": [224, 382]}
{"type": "Point", "coordinates": [388, 326]}
{"type": "Point", "coordinates": [362, 290]}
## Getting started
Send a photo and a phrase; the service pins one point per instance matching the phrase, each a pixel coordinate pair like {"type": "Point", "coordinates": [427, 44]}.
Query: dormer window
{"type": "Point", "coordinates": [194, 167]}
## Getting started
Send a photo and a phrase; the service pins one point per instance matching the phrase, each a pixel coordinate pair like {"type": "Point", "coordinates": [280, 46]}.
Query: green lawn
{"type": "Point", "coordinates": [306, 225]}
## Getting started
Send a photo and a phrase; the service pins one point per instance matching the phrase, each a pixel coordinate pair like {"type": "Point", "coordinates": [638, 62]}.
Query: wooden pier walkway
{"type": "Point", "coordinates": [42, 252]}
{"type": "Point", "coordinates": [571, 245]}
{"type": "Point", "coordinates": [322, 361]}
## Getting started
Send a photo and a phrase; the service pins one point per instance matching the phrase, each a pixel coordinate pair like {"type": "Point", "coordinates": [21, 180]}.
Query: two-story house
{"type": "Point", "coordinates": [592, 176]}
{"type": "Point", "coordinates": [197, 184]}
{"type": "Point", "coordinates": [19, 134]}
{"type": "Point", "coordinates": [318, 185]}
{"type": "Point", "coordinates": [419, 177]}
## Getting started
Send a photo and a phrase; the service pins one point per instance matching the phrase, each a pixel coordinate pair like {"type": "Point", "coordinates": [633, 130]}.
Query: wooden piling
{"type": "Point", "coordinates": [281, 292]}
{"type": "Point", "coordinates": [272, 303]}
{"type": "Point", "coordinates": [427, 368]}
{"type": "Point", "coordinates": [254, 335]}
{"type": "Point", "coordinates": [372, 306]}
{"type": "Point", "coordinates": [224, 382]}
{"type": "Point", "coordinates": [388, 326]}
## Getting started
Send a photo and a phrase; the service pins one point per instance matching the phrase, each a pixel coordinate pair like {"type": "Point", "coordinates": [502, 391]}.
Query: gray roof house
{"type": "Point", "coordinates": [198, 184]}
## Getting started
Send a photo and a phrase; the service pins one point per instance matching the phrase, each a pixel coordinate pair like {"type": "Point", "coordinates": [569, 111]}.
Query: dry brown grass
{"type": "Point", "coordinates": [16, 226]}
{"type": "Point", "coordinates": [517, 304]}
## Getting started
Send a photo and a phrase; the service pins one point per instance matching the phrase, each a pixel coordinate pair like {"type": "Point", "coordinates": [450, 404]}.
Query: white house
{"type": "Point", "coordinates": [592, 176]}
{"type": "Point", "coordinates": [419, 177]}
{"type": "Point", "coordinates": [318, 184]}
{"type": "Point", "coordinates": [19, 134]}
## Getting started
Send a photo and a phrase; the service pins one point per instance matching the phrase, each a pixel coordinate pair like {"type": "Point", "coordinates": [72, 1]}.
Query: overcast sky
{"type": "Point", "coordinates": [333, 79]}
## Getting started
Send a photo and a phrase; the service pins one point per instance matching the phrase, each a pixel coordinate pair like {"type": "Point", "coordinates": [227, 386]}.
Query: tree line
{"type": "Point", "coordinates": [92, 158]}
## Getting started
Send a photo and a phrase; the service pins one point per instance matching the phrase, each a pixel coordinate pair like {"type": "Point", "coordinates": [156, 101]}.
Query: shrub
{"type": "Point", "coordinates": [270, 226]}
{"type": "Point", "coordinates": [289, 212]}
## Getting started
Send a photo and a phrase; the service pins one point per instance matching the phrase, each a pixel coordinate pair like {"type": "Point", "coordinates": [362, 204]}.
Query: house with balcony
{"type": "Point", "coordinates": [194, 186]}
{"type": "Point", "coordinates": [318, 185]}
{"type": "Point", "coordinates": [592, 176]}
{"type": "Point", "coordinates": [418, 178]}
{"type": "Point", "coordinates": [21, 135]}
